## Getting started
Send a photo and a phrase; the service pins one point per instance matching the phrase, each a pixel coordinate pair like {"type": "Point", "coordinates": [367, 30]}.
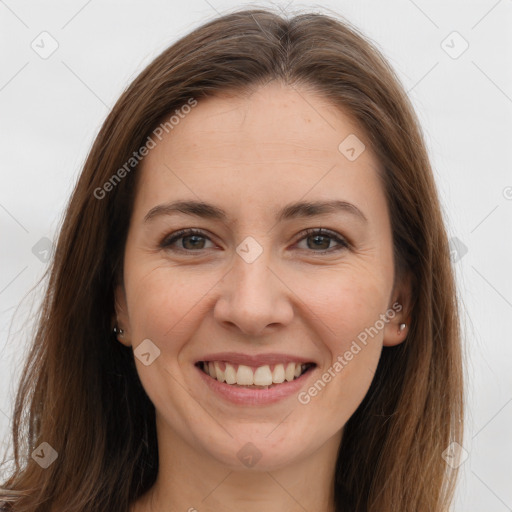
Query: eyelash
{"type": "Point", "coordinates": [170, 239]}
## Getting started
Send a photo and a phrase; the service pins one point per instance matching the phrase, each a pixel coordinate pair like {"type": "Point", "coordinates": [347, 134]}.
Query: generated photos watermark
{"type": "Point", "coordinates": [304, 397]}
{"type": "Point", "coordinates": [151, 143]}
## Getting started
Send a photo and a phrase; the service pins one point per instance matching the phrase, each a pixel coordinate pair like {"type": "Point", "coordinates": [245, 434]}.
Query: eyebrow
{"type": "Point", "coordinates": [291, 211]}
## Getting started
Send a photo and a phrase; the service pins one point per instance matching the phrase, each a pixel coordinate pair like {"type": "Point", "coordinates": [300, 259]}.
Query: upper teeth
{"type": "Point", "coordinates": [246, 375]}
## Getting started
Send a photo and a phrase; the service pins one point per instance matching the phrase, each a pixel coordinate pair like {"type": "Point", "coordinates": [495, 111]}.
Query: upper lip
{"type": "Point", "coordinates": [254, 360]}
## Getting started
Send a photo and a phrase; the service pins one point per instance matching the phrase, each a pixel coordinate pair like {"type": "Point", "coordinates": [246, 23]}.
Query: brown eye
{"type": "Point", "coordinates": [193, 242]}
{"type": "Point", "coordinates": [188, 240]}
{"type": "Point", "coordinates": [320, 240]}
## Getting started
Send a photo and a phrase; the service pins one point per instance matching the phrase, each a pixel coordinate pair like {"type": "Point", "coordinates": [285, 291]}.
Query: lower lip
{"type": "Point", "coordinates": [246, 396]}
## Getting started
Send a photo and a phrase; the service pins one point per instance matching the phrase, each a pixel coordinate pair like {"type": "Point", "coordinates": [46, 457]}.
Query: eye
{"type": "Point", "coordinates": [319, 238]}
{"type": "Point", "coordinates": [191, 239]}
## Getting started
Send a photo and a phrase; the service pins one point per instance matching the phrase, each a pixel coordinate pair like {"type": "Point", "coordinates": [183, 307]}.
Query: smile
{"type": "Point", "coordinates": [260, 377]}
{"type": "Point", "coordinates": [254, 379]}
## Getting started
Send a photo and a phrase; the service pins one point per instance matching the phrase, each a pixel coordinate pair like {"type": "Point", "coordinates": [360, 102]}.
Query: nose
{"type": "Point", "coordinates": [253, 298]}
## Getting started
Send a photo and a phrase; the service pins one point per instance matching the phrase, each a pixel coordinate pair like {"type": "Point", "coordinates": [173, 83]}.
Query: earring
{"type": "Point", "coordinates": [401, 327]}
{"type": "Point", "coordinates": [118, 331]}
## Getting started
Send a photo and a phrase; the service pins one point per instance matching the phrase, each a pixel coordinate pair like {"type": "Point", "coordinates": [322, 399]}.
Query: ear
{"type": "Point", "coordinates": [122, 320]}
{"type": "Point", "coordinates": [399, 312]}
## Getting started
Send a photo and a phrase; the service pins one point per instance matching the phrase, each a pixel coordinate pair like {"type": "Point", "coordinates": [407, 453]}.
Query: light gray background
{"type": "Point", "coordinates": [51, 109]}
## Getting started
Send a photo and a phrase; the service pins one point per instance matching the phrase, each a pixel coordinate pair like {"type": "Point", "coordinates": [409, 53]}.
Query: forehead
{"type": "Point", "coordinates": [280, 117]}
{"type": "Point", "coordinates": [276, 144]}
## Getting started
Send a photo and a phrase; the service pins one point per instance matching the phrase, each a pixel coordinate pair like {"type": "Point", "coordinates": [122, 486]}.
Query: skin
{"type": "Point", "coordinates": [251, 156]}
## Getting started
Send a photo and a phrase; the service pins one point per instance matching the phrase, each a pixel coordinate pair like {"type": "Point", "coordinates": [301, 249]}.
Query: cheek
{"type": "Point", "coordinates": [344, 301]}
{"type": "Point", "coordinates": [352, 305]}
{"type": "Point", "coordinates": [162, 299]}
{"type": "Point", "coordinates": [346, 305]}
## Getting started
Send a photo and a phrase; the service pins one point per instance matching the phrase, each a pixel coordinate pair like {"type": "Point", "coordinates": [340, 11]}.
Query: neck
{"type": "Point", "coordinates": [193, 481]}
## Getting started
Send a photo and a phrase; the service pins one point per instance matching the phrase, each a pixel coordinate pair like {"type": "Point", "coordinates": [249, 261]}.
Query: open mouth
{"type": "Point", "coordinates": [261, 377]}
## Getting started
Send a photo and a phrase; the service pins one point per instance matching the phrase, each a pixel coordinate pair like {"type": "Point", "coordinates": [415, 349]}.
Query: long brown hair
{"type": "Point", "coordinates": [80, 391]}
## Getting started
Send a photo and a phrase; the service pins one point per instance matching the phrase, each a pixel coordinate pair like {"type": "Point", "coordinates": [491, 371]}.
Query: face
{"type": "Point", "coordinates": [256, 286]}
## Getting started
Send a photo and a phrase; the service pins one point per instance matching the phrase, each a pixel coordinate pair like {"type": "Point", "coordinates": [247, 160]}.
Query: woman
{"type": "Point", "coordinates": [251, 304]}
